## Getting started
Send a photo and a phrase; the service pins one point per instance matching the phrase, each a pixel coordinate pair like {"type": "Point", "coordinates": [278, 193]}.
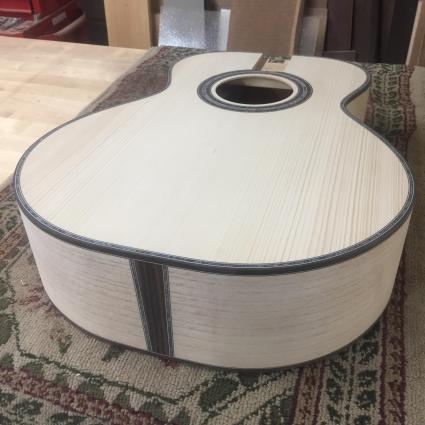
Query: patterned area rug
{"type": "Point", "coordinates": [53, 373]}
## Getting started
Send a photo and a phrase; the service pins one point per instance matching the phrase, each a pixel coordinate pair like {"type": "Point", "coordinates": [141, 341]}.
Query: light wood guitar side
{"type": "Point", "coordinates": [236, 322]}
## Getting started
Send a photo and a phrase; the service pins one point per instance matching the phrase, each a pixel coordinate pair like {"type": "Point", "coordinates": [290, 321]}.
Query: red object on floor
{"type": "Point", "coordinates": [45, 19]}
{"type": "Point", "coordinates": [30, 8]}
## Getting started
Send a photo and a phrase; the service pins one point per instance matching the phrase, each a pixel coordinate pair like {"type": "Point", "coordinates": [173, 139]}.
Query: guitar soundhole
{"type": "Point", "coordinates": [254, 90]}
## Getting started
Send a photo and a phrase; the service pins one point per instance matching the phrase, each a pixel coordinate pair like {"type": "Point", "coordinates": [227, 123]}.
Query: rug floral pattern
{"type": "Point", "coordinates": [53, 373]}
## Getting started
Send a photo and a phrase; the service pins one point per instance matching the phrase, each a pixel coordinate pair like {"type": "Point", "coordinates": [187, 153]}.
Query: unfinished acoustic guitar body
{"type": "Point", "coordinates": [243, 217]}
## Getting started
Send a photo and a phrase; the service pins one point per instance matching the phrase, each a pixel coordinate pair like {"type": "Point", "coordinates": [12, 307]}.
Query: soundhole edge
{"type": "Point", "coordinates": [254, 91]}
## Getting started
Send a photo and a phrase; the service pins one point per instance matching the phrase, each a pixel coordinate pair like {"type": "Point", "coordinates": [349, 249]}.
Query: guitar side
{"type": "Point", "coordinates": [237, 322]}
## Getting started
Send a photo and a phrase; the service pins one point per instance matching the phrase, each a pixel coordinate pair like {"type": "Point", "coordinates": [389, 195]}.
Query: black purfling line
{"type": "Point", "coordinates": [139, 295]}
{"type": "Point", "coordinates": [167, 299]}
{"type": "Point", "coordinates": [152, 290]}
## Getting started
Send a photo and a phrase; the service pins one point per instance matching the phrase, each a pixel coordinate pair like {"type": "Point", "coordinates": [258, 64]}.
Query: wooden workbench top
{"type": "Point", "coordinates": [45, 83]}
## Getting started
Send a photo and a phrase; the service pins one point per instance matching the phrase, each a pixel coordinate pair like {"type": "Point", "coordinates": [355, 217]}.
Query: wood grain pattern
{"type": "Point", "coordinates": [228, 321]}
{"type": "Point", "coordinates": [152, 289]}
{"type": "Point", "coordinates": [274, 26]}
{"type": "Point", "coordinates": [46, 83]}
{"type": "Point", "coordinates": [93, 290]}
{"type": "Point", "coordinates": [313, 32]}
{"type": "Point", "coordinates": [261, 322]}
{"type": "Point", "coordinates": [332, 186]}
{"type": "Point", "coordinates": [129, 23]}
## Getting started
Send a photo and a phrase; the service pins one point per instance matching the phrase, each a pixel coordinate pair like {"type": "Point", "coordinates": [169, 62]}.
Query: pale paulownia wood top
{"type": "Point", "coordinates": [175, 175]}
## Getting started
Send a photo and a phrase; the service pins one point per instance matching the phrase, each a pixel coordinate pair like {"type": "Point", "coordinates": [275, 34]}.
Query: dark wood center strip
{"type": "Point", "coordinates": [153, 296]}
